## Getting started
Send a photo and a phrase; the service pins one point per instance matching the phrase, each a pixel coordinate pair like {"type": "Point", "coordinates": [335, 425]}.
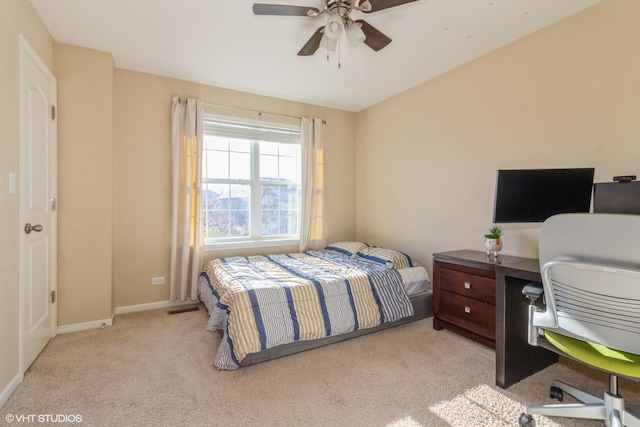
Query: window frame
{"type": "Point", "coordinates": [255, 240]}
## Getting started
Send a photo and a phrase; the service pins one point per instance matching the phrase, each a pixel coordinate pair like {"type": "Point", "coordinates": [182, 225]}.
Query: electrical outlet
{"type": "Point", "coordinates": [157, 281]}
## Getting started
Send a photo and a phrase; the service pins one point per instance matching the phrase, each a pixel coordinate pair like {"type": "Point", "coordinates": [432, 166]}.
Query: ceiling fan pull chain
{"type": "Point", "coordinates": [327, 47]}
{"type": "Point", "coordinates": [339, 44]}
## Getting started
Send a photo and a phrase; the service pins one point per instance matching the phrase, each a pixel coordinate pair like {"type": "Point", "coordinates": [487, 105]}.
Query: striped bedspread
{"type": "Point", "coordinates": [264, 301]}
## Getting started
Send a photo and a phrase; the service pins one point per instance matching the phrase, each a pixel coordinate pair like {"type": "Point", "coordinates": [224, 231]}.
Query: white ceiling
{"type": "Point", "coordinates": [222, 43]}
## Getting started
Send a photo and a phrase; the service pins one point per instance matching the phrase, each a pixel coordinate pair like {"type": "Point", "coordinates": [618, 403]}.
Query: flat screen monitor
{"type": "Point", "coordinates": [533, 195]}
{"type": "Point", "coordinates": [616, 197]}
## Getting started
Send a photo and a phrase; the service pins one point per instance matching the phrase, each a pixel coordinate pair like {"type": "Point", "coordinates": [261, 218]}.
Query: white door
{"type": "Point", "coordinates": [37, 194]}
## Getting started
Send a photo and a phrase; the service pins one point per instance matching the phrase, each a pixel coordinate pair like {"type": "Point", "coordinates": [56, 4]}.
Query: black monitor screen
{"type": "Point", "coordinates": [533, 195]}
{"type": "Point", "coordinates": [616, 197]}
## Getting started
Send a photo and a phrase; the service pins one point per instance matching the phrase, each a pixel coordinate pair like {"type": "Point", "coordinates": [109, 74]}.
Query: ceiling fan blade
{"type": "Point", "coordinates": [312, 45]}
{"type": "Point", "coordinates": [278, 9]}
{"type": "Point", "coordinates": [377, 5]}
{"type": "Point", "coordinates": [374, 38]}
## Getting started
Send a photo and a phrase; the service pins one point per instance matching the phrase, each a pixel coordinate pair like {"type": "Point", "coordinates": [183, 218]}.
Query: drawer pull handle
{"type": "Point", "coordinates": [467, 309]}
{"type": "Point", "coordinates": [467, 285]}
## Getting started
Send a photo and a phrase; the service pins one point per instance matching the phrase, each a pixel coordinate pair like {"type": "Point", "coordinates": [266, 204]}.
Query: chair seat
{"type": "Point", "coordinates": [605, 358]}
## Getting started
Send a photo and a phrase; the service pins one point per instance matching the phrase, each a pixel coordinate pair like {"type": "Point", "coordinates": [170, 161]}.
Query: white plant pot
{"type": "Point", "coordinates": [493, 246]}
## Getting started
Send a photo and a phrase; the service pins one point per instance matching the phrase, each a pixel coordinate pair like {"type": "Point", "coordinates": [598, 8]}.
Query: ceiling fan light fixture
{"type": "Point", "coordinates": [333, 29]}
{"type": "Point", "coordinates": [355, 35]}
{"type": "Point", "coordinates": [328, 43]}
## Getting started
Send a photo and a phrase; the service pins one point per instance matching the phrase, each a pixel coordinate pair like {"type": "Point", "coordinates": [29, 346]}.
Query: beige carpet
{"type": "Point", "coordinates": [155, 369]}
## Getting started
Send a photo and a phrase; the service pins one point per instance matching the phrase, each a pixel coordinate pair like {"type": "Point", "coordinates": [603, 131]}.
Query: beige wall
{"type": "Point", "coordinates": [85, 184]}
{"type": "Point", "coordinates": [143, 175]}
{"type": "Point", "coordinates": [567, 96]}
{"type": "Point", "coordinates": [16, 16]}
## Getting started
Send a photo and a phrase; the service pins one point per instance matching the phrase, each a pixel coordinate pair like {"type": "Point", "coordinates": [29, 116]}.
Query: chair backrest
{"type": "Point", "coordinates": [590, 267]}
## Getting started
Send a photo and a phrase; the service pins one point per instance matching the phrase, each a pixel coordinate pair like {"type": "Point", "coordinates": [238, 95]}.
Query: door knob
{"type": "Point", "coordinates": [29, 228]}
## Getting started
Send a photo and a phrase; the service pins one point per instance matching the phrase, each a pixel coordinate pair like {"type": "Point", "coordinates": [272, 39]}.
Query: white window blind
{"type": "Point", "coordinates": [252, 131]}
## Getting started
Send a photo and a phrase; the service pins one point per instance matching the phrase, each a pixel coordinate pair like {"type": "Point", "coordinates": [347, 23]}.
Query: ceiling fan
{"type": "Point", "coordinates": [338, 17]}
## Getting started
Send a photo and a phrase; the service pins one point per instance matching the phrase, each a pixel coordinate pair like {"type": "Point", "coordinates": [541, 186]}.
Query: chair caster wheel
{"type": "Point", "coordinates": [526, 420]}
{"type": "Point", "coordinates": [556, 393]}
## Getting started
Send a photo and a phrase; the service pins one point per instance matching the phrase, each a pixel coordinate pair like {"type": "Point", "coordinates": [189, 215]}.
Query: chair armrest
{"type": "Point", "coordinates": [533, 291]}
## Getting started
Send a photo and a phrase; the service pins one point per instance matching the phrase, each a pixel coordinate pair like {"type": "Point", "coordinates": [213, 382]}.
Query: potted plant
{"type": "Point", "coordinates": [493, 241]}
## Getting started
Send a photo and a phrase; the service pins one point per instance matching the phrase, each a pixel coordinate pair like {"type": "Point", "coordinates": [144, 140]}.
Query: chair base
{"type": "Point", "coordinates": [610, 408]}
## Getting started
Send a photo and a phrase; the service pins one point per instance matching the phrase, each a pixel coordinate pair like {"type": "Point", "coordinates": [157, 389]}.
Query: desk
{"type": "Point", "coordinates": [481, 298]}
{"type": "Point", "coordinates": [515, 358]}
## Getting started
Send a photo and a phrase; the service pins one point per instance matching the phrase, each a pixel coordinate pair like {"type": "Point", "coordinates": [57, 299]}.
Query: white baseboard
{"type": "Point", "coordinates": [94, 324]}
{"type": "Point", "coordinates": [9, 389]}
{"type": "Point", "coordinates": [152, 306]}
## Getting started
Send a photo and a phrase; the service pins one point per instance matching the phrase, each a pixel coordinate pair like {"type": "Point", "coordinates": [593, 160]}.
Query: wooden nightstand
{"type": "Point", "coordinates": [464, 293]}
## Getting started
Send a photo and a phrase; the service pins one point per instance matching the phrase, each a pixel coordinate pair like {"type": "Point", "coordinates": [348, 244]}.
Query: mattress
{"type": "Point", "coordinates": [266, 301]}
{"type": "Point", "coordinates": [414, 281]}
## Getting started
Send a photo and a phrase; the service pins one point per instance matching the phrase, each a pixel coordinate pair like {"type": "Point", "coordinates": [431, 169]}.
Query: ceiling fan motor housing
{"type": "Point", "coordinates": [343, 8]}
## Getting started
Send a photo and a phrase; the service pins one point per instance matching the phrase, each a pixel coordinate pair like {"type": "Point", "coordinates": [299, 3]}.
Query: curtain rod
{"type": "Point", "coordinates": [260, 112]}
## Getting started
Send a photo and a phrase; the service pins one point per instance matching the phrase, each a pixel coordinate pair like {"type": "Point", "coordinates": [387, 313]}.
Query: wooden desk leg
{"type": "Point", "coordinates": [436, 299]}
{"type": "Point", "coordinates": [515, 358]}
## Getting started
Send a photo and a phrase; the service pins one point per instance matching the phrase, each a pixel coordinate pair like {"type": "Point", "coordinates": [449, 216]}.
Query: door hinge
{"type": "Point", "coordinates": [54, 204]}
{"type": "Point", "coordinates": [53, 296]}
{"type": "Point", "coordinates": [53, 112]}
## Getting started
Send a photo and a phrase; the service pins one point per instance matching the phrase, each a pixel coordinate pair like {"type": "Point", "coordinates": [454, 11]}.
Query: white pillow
{"type": "Point", "coordinates": [347, 248]}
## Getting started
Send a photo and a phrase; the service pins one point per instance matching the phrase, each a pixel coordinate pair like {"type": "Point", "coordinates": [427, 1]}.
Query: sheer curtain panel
{"type": "Point", "coordinates": [312, 227]}
{"type": "Point", "coordinates": [187, 241]}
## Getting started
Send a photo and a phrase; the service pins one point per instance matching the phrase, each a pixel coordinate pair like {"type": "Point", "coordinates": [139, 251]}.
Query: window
{"type": "Point", "coordinates": [251, 182]}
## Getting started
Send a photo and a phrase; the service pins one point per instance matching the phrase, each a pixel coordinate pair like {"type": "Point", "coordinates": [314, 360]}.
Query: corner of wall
{"type": "Point", "coordinates": [85, 183]}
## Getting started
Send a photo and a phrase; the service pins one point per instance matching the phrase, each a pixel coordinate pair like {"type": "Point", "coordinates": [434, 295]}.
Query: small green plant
{"type": "Point", "coordinates": [495, 232]}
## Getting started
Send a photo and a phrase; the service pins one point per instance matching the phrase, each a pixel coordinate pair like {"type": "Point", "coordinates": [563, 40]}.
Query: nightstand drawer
{"type": "Point", "coordinates": [473, 315]}
{"type": "Point", "coordinates": [468, 285]}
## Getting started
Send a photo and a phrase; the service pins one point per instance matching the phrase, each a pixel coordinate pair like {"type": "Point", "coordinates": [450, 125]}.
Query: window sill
{"type": "Point", "coordinates": [224, 246]}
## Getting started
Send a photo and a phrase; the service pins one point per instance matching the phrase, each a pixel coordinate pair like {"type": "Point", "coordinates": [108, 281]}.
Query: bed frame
{"type": "Point", "coordinates": [422, 308]}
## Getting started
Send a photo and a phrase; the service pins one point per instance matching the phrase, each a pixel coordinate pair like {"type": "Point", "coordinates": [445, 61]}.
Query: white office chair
{"type": "Point", "coordinates": [590, 268]}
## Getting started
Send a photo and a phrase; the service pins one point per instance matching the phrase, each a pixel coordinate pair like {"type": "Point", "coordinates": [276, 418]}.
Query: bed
{"type": "Point", "coordinates": [269, 306]}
